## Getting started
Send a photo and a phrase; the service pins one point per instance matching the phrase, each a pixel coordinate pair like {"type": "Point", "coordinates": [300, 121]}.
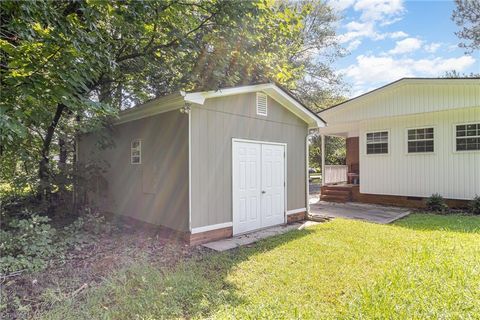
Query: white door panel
{"type": "Point", "coordinates": [246, 203]}
{"type": "Point", "coordinates": [258, 185]}
{"type": "Point", "coordinates": [273, 184]}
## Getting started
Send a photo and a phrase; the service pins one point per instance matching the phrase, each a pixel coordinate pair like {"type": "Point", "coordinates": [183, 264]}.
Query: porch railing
{"type": "Point", "coordinates": [335, 173]}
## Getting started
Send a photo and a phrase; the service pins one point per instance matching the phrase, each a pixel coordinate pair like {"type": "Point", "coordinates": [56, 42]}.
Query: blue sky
{"type": "Point", "coordinates": [391, 39]}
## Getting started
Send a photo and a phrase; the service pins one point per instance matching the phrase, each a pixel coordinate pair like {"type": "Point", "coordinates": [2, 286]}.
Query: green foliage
{"type": "Point", "coordinates": [26, 244]}
{"type": "Point", "coordinates": [335, 151]}
{"type": "Point", "coordinates": [85, 230]}
{"type": "Point", "coordinates": [69, 66]}
{"type": "Point", "coordinates": [436, 203]}
{"type": "Point", "coordinates": [475, 205]}
{"type": "Point", "coordinates": [29, 242]}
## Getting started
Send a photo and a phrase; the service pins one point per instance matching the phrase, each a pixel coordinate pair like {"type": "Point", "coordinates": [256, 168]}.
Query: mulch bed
{"type": "Point", "coordinates": [88, 266]}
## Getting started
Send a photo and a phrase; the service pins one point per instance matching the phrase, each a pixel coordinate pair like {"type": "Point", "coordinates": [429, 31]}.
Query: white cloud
{"type": "Point", "coordinates": [354, 45]}
{"type": "Point", "coordinates": [379, 10]}
{"type": "Point", "coordinates": [341, 5]}
{"type": "Point", "coordinates": [432, 47]}
{"type": "Point", "coordinates": [373, 71]}
{"type": "Point", "coordinates": [406, 45]}
{"type": "Point", "coordinates": [372, 14]}
{"type": "Point", "coordinates": [397, 35]}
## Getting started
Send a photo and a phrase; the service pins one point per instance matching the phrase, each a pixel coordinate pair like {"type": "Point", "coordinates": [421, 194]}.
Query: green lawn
{"type": "Point", "coordinates": [424, 266]}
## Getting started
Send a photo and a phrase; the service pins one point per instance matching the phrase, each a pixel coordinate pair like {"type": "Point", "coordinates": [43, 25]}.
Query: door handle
{"type": "Point", "coordinates": [263, 191]}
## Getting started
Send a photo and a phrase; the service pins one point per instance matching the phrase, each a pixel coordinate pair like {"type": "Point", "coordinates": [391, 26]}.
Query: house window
{"type": "Point", "coordinates": [420, 140]}
{"type": "Point", "coordinates": [136, 152]}
{"type": "Point", "coordinates": [377, 142]}
{"type": "Point", "coordinates": [262, 104]}
{"type": "Point", "coordinates": [468, 137]}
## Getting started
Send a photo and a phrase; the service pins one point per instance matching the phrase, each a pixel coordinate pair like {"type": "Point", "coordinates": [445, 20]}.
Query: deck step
{"type": "Point", "coordinates": [333, 192]}
{"type": "Point", "coordinates": [334, 198]}
{"type": "Point", "coordinates": [336, 193]}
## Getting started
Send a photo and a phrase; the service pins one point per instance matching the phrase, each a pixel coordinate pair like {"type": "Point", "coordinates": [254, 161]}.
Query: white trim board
{"type": "Point", "coordinates": [289, 212]}
{"type": "Point", "coordinates": [212, 227]}
{"type": "Point", "coordinates": [190, 170]}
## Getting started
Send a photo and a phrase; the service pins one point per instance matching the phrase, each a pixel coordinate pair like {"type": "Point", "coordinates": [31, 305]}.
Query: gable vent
{"type": "Point", "coordinates": [261, 104]}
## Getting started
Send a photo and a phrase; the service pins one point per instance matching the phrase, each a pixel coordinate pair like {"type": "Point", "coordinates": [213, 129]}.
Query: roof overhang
{"type": "Point", "coordinates": [152, 107]}
{"type": "Point", "coordinates": [178, 100]}
{"type": "Point", "coordinates": [395, 84]}
{"type": "Point", "coordinates": [280, 95]}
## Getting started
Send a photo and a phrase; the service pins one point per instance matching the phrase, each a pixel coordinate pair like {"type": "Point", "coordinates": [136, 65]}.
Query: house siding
{"type": "Point", "coordinates": [213, 126]}
{"type": "Point", "coordinates": [454, 175]}
{"type": "Point", "coordinates": [408, 98]}
{"type": "Point", "coordinates": [155, 191]}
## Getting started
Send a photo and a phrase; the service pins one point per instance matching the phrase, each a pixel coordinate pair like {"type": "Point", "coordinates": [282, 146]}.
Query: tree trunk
{"type": "Point", "coordinates": [43, 169]}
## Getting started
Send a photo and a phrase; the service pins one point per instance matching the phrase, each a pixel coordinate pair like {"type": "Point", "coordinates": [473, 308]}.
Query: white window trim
{"type": "Point", "coordinates": [421, 153]}
{"type": "Point", "coordinates": [455, 138]}
{"type": "Point", "coordinates": [377, 154]}
{"type": "Point", "coordinates": [131, 151]}
{"type": "Point", "coordinates": [261, 94]}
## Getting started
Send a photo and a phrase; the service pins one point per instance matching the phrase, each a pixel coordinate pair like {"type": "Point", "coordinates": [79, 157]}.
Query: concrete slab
{"type": "Point", "coordinates": [252, 237]}
{"type": "Point", "coordinates": [359, 211]}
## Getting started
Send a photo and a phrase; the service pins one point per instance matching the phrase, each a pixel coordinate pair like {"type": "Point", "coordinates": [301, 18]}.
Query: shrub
{"type": "Point", "coordinates": [436, 203]}
{"type": "Point", "coordinates": [26, 244]}
{"type": "Point", "coordinates": [475, 205]}
{"type": "Point", "coordinates": [85, 229]}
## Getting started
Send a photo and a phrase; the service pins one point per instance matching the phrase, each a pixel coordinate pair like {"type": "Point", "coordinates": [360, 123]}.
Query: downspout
{"type": "Point", "coordinates": [311, 132]}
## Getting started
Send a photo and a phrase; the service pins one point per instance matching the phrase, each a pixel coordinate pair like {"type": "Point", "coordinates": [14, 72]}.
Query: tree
{"type": "Point", "coordinates": [68, 67]}
{"type": "Point", "coordinates": [467, 16]}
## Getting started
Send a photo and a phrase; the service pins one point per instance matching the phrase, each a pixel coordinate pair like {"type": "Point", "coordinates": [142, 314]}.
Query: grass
{"type": "Point", "coordinates": [424, 266]}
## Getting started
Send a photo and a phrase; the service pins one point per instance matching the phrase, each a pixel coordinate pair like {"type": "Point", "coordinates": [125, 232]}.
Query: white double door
{"type": "Point", "coordinates": [258, 185]}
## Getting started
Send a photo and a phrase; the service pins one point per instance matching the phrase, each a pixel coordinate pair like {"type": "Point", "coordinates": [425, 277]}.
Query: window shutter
{"type": "Point", "coordinates": [261, 104]}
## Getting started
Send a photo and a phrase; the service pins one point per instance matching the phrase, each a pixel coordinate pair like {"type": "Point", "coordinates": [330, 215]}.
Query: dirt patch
{"type": "Point", "coordinates": [87, 266]}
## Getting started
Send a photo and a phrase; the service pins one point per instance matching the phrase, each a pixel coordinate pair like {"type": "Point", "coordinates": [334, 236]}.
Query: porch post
{"type": "Point", "coordinates": [323, 159]}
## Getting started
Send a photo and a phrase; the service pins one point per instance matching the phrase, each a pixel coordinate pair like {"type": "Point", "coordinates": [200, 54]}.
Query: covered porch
{"type": "Point", "coordinates": [340, 183]}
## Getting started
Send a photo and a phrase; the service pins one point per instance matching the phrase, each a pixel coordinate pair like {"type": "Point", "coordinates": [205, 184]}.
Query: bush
{"type": "Point", "coordinates": [475, 205]}
{"type": "Point", "coordinates": [26, 244]}
{"type": "Point", "coordinates": [436, 203]}
{"type": "Point", "coordinates": [31, 243]}
{"type": "Point", "coordinates": [85, 229]}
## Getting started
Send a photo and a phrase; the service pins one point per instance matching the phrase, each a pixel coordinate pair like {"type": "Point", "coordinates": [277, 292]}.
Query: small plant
{"type": "Point", "coordinates": [436, 203]}
{"type": "Point", "coordinates": [475, 205]}
{"type": "Point", "coordinates": [27, 244]}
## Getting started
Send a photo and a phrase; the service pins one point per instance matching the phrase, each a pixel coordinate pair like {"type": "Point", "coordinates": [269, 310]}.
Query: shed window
{"type": "Point", "coordinates": [468, 137]}
{"type": "Point", "coordinates": [262, 104]}
{"type": "Point", "coordinates": [136, 152]}
{"type": "Point", "coordinates": [377, 142]}
{"type": "Point", "coordinates": [420, 140]}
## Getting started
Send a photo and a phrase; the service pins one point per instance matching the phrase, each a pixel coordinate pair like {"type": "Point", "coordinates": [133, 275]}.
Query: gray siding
{"type": "Point", "coordinates": [212, 128]}
{"type": "Point", "coordinates": [155, 191]}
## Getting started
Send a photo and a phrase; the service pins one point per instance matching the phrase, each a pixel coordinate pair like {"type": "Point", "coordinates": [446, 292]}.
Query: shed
{"type": "Point", "coordinates": [207, 165]}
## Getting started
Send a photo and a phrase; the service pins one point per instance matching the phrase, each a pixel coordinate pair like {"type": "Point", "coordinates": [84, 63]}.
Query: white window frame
{"type": "Point", "coordinates": [377, 154]}
{"type": "Point", "coordinates": [455, 137]}
{"type": "Point", "coordinates": [261, 94]}
{"type": "Point", "coordinates": [132, 149]}
{"type": "Point", "coordinates": [425, 152]}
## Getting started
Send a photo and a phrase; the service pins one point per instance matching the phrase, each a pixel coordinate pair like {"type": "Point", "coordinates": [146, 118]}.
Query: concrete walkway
{"type": "Point", "coordinates": [249, 238]}
{"type": "Point", "coordinates": [360, 211]}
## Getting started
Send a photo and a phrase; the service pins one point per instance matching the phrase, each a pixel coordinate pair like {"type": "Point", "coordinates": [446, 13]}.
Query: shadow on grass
{"type": "Point", "coordinates": [437, 222]}
{"type": "Point", "coordinates": [196, 288]}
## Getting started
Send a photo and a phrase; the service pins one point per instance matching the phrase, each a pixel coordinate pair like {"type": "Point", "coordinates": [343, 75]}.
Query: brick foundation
{"type": "Point", "coordinates": [401, 201]}
{"type": "Point", "coordinates": [207, 236]}
{"type": "Point", "coordinates": [295, 217]}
